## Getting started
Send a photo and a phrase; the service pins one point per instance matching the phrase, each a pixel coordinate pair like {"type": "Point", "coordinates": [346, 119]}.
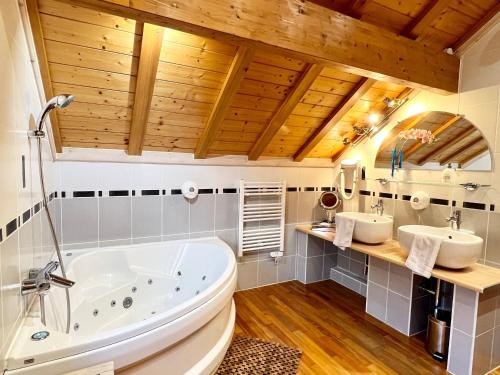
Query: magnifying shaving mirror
{"type": "Point", "coordinates": [329, 201]}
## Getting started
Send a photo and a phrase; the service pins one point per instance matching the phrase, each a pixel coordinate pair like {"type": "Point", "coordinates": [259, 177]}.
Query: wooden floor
{"type": "Point", "coordinates": [329, 324]}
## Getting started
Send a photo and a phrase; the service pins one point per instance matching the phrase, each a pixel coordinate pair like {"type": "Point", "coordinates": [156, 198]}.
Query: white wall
{"type": "Point", "coordinates": [19, 107]}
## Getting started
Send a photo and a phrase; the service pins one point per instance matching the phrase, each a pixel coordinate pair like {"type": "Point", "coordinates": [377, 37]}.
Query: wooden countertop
{"type": "Point", "coordinates": [477, 277]}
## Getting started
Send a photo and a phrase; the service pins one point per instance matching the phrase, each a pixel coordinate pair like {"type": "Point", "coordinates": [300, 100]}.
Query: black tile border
{"type": "Point", "coordinates": [84, 194]}
{"type": "Point", "coordinates": [150, 192]}
{"type": "Point", "coordinates": [205, 191]}
{"type": "Point", "coordinates": [474, 205]}
{"type": "Point", "coordinates": [385, 195]}
{"type": "Point", "coordinates": [176, 191]}
{"type": "Point", "coordinates": [230, 190]}
{"type": "Point", "coordinates": [309, 188]}
{"type": "Point", "coordinates": [439, 201]}
{"type": "Point", "coordinates": [326, 188]}
{"type": "Point", "coordinates": [11, 227]}
{"type": "Point", "coordinates": [405, 197]}
{"type": "Point", "coordinates": [365, 192]}
{"type": "Point", "coordinates": [26, 215]}
{"type": "Point", "coordinates": [118, 193]}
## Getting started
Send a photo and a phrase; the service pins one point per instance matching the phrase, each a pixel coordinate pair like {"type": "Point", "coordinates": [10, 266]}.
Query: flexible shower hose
{"type": "Point", "coordinates": [52, 231]}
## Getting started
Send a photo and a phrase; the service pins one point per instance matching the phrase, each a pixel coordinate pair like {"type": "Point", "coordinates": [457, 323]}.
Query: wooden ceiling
{"type": "Point", "coordinates": [457, 141]}
{"type": "Point", "coordinates": [144, 87]}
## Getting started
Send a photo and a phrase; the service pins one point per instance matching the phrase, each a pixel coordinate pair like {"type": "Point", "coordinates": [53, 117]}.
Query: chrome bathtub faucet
{"type": "Point", "coordinates": [455, 219]}
{"type": "Point", "coordinates": [39, 282]}
{"type": "Point", "coordinates": [379, 206]}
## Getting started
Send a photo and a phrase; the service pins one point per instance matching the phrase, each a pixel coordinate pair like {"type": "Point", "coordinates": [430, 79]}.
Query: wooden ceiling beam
{"type": "Point", "coordinates": [236, 73]}
{"type": "Point", "coordinates": [464, 134]}
{"type": "Point", "coordinates": [311, 72]}
{"type": "Point", "coordinates": [430, 13]}
{"type": "Point", "coordinates": [43, 63]}
{"type": "Point", "coordinates": [441, 128]}
{"type": "Point", "coordinates": [449, 158]}
{"type": "Point", "coordinates": [304, 30]}
{"type": "Point", "coordinates": [152, 40]}
{"type": "Point", "coordinates": [340, 111]}
{"type": "Point", "coordinates": [471, 157]}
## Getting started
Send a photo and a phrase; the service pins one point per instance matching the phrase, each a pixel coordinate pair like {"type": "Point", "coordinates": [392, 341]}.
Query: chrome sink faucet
{"type": "Point", "coordinates": [39, 282]}
{"type": "Point", "coordinates": [379, 206]}
{"type": "Point", "coordinates": [455, 219]}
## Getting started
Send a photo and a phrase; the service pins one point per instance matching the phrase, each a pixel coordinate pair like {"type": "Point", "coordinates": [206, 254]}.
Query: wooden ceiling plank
{"type": "Point", "coordinates": [464, 134]}
{"type": "Point", "coordinates": [340, 111]}
{"type": "Point", "coordinates": [425, 18]}
{"type": "Point", "coordinates": [399, 59]}
{"type": "Point", "coordinates": [36, 28]}
{"type": "Point", "coordinates": [449, 158]}
{"type": "Point", "coordinates": [435, 133]}
{"type": "Point", "coordinates": [311, 72]}
{"type": "Point", "coordinates": [146, 76]}
{"type": "Point", "coordinates": [472, 33]}
{"type": "Point", "coordinates": [222, 104]}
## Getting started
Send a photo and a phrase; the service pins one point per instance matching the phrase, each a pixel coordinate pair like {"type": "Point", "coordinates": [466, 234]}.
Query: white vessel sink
{"type": "Point", "coordinates": [369, 228]}
{"type": "Point", "coordinates": [458, 250]}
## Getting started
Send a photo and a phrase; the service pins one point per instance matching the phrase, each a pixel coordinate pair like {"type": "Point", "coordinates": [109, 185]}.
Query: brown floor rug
{"type": "Point", "coordinates": [254, 356]}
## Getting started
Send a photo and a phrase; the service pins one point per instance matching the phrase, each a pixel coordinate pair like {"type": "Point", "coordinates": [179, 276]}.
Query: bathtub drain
{"type": "Point", "coordinates": [127, 302]}
{"type": "Point", "coordinates": [38, 336]}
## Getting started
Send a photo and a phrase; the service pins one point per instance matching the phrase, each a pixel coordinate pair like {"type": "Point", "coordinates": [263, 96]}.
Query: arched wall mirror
{"type": "Point", "coordinates": [432, 141]}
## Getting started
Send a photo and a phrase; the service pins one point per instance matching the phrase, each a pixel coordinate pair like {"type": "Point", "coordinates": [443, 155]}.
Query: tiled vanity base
{"type": "Point", "coordinates": [475, 333]}
{"type": "Point", "coordinates": [351, 270]}
{"type": "Point", "coordinates": [394, 297]}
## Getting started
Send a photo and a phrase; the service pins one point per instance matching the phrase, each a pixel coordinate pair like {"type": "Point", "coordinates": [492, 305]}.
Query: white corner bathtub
{"type": "Point", "coordinates": [181, 316]}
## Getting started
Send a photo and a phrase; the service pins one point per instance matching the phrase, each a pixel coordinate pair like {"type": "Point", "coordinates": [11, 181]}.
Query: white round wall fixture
{"type": "Point", "coordinates": [420, 200]}
{"type": "Point", "coordinates": [189, 190]}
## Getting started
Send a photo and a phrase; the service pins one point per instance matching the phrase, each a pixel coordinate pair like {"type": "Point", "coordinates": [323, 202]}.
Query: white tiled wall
{"type": "Point", "coordinates": [19, 107]}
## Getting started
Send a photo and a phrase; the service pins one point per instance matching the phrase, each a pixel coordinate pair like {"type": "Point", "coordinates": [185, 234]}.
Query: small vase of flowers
{"type": "Point", "coordinates": [422, 135]}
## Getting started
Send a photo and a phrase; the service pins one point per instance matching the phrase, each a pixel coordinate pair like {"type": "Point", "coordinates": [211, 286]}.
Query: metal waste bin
{"type": "Point", "coordinates": [438, 334]}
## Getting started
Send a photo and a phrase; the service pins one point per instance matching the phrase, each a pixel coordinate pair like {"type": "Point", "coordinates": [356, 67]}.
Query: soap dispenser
{"type": "Point", "coordinates": [447, 175]}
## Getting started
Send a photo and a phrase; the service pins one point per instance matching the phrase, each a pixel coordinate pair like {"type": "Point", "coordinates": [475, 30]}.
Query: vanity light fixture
{"type": "Point", "coordinates": [393, 102]}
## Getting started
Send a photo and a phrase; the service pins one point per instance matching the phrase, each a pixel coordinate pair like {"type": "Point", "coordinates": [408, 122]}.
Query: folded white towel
{"type": "Point", "coordinates": [344, 227]}
{"type": "Point", "coordinates": [423, 253]}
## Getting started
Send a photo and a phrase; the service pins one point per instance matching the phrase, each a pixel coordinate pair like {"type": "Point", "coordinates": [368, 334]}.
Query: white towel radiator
{"type": "Point", "coordinates": [261, 216]}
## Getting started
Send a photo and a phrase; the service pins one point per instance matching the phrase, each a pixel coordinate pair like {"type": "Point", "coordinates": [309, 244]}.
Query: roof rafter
{"type": "Point", "coordinates": [231, 84]}
{"type": "Point", "coordinates": [400, 59]}
{"type": "Point", "coordinates": [36, 28]}
{"type": "Point", "coordinates": [340, 111]}
{"type": "Point", "coordinates": [152, 39]}
{"type": "Point", "coordinates": [448, 123]}
{"type": "Point", "coordinates": [425, 18]}
{"type": "Point", "coordinates": [464, 134]}
{"type": "Point", "coordinates": [311, 72]}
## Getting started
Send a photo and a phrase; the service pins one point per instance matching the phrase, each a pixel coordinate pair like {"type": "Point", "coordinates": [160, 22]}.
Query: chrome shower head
{"type": "Point", "coordinates": [59, 101]}
{"type": "Point", "coordinates": [62, 101]}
